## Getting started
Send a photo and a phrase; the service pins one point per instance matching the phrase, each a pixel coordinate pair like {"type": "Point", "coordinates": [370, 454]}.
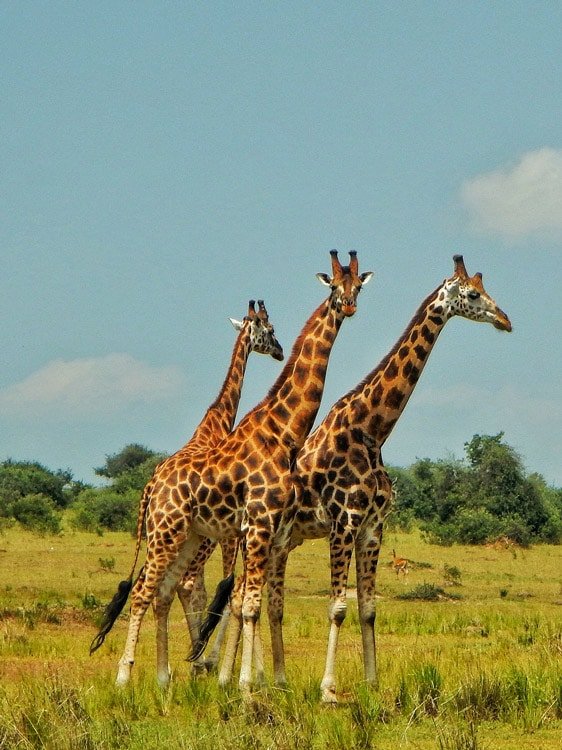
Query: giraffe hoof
{"type": "Point", "coordinates": [210, 666]}
{"type": "Point", "coordinates": [198, 669]}
{"type": "Point", "coordinates": [329, 697]}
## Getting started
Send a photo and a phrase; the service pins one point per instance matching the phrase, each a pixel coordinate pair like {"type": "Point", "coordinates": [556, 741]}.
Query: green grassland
{"type": "Point", "coordinates": [480, 667]}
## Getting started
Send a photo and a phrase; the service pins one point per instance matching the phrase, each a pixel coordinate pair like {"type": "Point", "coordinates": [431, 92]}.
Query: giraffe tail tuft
{"type": "Point", "coordinates": [112, 612]}
{"type": "Point", "coordinates": [214, 614]}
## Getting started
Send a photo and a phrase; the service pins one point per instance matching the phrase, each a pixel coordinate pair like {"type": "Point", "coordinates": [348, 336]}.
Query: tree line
{"type": "Point", "coordinates": [478, 499]}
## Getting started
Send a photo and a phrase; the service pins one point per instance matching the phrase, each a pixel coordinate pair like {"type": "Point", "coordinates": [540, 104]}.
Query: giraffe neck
{"type": "Point", "coordinates": [377, 402]}
{"type": "Point", "coordinates": [292, 403]}
{"type": "Point", "coordinates": [219, 417]}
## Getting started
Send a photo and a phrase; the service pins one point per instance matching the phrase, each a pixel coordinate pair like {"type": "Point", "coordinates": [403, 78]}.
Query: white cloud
{"type": "Point", "coordinates": [518, 200]}
{"type": "Point", "coordinates": [90, 386]}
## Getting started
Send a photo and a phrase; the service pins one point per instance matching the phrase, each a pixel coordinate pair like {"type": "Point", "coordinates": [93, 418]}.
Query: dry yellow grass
{"type": "Point", "coordinates": [504, 633]}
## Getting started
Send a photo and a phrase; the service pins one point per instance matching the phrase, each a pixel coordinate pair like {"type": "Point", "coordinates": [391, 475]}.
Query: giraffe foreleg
{"type": "Point", "coordinates": [234, 633]}
{"type": "Point", "coordinates": [164, 594]}
{"type": "Point", "coordinates": [229, 549]}
{"type": "Point", "coordinates": [341, 547]}
{"type": "Point", "coordinates": [193, 595]}
{"type": "Point", "coordinates": [275, 607]}
{"type": "Point", "coordinates": [367, 550]}
{"type": "Point", "coordinates": [258, 543]}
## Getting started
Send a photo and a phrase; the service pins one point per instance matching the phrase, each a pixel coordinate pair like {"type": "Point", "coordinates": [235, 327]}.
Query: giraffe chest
{"type": "Point", "coordinates": [338, 486]}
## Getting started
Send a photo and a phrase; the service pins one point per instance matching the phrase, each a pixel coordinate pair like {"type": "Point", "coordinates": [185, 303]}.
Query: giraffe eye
{"type": "Point", "coordinates": [474, 295]}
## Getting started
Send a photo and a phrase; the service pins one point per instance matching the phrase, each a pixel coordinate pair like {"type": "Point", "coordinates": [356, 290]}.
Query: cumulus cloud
{"type": "Point", "coordinates": [90, 386]}
{"type": "Point", "coordinates": [520, 199]}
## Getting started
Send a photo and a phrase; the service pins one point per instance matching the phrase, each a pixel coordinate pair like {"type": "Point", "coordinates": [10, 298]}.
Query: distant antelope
{"type": "Point", "coordinates": [399, 564]}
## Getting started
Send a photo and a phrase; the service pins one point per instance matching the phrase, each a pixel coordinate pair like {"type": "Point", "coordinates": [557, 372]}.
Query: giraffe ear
{"type": "Point", "coordinates": [453, 286]}
{"type": "Point", "coordinates": [237, 324]}
{"type": "Point", "coordinates": [366, 277]}
{"type": "Point", "coordinates": [323, 278]}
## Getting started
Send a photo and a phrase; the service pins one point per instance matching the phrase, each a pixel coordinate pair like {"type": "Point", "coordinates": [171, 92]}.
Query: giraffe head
{"type": "Point", "coordinates": [262, 333]}
{"type": "Point", "coordinates": [345, 283]}
{"type": "Point", "coordinates": [465, 295]}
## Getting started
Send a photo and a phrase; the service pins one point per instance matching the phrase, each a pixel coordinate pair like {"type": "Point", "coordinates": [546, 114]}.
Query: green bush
{"type": "Point", "coordinates": [36, 513]}
{"type": "Point", "coordinates": [427, 592]}
{"type": "Point", "coordinates": [476, 526]}
{"type": "Point", "coordinates": [25, 478]}
{"type": "Point", "coordinates": [105, 509]}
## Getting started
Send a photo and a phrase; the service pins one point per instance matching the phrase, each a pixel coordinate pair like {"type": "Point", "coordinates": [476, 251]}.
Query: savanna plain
{"type": "Point", "coordinates": [469, 655]}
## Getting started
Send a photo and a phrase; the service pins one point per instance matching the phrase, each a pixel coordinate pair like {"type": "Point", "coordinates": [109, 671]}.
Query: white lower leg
{"type": "Point", "coordinates": [258, 657]}
{"type": "Point", "coordinates": [231, 649]}
{"type": "Point", "coordinates": [128, 658]}
{"type": "Point", "coordinates": [248, 632]}
{"type": "Point", "coordinates": [328, 684]}
{"type": "Point", "coordinates": [214, 655]}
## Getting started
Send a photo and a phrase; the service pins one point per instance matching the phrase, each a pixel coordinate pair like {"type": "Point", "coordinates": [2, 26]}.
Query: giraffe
{"type": "Point", "coordinates": [241, 487]}
{"type": "Point", "coordinates": [255, 334]}
{"type": "Point", "coordinates": [343, 490]}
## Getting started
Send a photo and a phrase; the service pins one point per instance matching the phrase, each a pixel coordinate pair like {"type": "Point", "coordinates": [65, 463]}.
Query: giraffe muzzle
{"type": "Point", "coordinates": [277, 353]}
{"type": "Point", "coordinates": [502, 322]}
{"type": "Point", "coordinates": [348, 307]}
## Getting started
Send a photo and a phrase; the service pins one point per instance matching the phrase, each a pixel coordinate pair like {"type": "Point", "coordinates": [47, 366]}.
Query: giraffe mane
{"type": "Point", "coordinates": [416, 318]}
{"type": "Point", "coordinates": [295, 353]}
{"type": "Point", "coordinates": [233, 357]}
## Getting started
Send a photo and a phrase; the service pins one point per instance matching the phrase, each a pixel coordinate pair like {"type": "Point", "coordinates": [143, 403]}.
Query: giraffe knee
{"type": "Point", "coordinates": [275, 618]}
{"type": "Point", "coordinates": [369, 618]}
{"type": "Point", "coordinates": [250, 612]}
{"type": "Point", "coordinates": [337, 612]}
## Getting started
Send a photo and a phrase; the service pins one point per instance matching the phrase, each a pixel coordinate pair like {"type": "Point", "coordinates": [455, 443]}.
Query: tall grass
{"type": "Point", "coordinates": [480, 673]}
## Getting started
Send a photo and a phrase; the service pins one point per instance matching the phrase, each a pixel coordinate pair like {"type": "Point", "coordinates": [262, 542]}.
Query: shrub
{"type": "Point", "coordinates": [452, 575]}
{"type": "Point", "coordinates": [427, 592]}
{"type": "Point", "coordinates": [36, 513]}
{"type": "Point", "coordinates": [105, 509]}
{"type": "Point", "coordinates": [22, 478]}
{"type": "Point", "coordinates": [476, 526]}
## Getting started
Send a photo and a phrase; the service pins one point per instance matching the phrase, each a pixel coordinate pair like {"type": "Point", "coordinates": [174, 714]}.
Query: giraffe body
{"type": "Point", "coordinates": [343, 489]}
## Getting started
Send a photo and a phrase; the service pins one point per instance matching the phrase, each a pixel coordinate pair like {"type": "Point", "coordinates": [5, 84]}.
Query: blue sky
{"type": "Point", "coordinates": [162, 163]}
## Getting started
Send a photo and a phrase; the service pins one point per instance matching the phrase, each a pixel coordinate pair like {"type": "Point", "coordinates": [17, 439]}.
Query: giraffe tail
{"type": "Point", "coordinates": [214, 614]}
{"type": "Point", "coordinates": [115, 606]}
{"type": "Point", "coordinates": [112, 612]}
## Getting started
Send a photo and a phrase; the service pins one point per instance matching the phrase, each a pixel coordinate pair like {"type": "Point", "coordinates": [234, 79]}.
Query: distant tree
{"type": "Point", "coordinates": [433, 489]}
{"type": "Point", "coordinates": [21, 478]}
{"type": "Point", "coordinates": [499, 484]}
{"type": "Point", "coordinates": [402, 513]}
{"type": "Point", "coordinates": [137, 477]}
{"type": "Point", "coordinates": [422, 473]}
{"type": "Point", "coordinates": [128, 458]}
{"type": "Point", "coordinates": [115, 507]}
{"type": "Point", "coordinates": [487, 496]}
